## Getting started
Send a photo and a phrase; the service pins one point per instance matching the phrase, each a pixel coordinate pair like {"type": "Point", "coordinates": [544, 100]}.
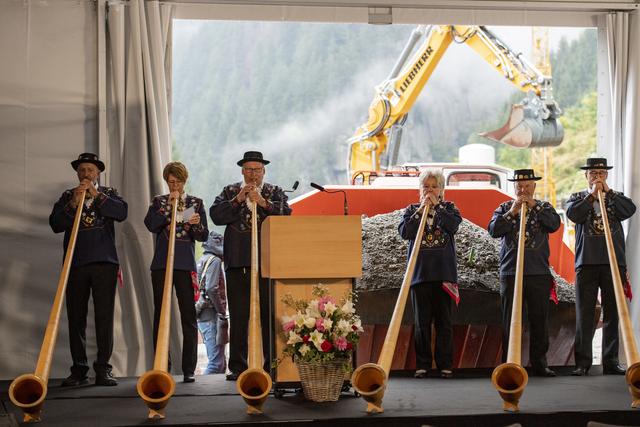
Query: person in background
{"type": "Point", "coordinates": [211, 307]}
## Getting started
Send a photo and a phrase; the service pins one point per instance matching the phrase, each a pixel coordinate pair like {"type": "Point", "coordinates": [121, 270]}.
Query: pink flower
{"type": "Point", "coordinates": [341, 343]}
{"type": "Point", "coordinates": [305, 339]}
{"type": "Point", "coordinates": [325, 300]}
{"type": "Point", "coordinates": [326, 346]}
{"type": "Point", "coordinates": [320, 324]}
{"type": "Point", "coordinates": [289, 326]}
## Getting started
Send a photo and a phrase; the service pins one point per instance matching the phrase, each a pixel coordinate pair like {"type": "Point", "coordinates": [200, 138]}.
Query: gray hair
{"type": "Point", "coordinates": [432, 173]}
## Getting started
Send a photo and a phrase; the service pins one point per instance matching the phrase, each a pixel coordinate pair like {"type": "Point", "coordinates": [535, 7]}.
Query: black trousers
{"type": "Point", "coordinates": [238, 293]}
{"type": "Point", "coordinates": [99, 279]}
{"type": "Point", "coordinates": [535, 299]}
{"type": "Point", "coordinates": [432, 304]}
{"type": "Point", "coordinates": [186, 305]}
{"type": "Point", "coordinates": [588, 280]}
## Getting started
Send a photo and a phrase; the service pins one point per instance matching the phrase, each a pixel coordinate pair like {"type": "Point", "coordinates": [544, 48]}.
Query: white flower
{"type": "Point", "coordinates": [344, 327]}
{"type": "Point", "coordinates": [327, 324]}
{"type": "Point", "coordinates": [310, 322]}
{"type": "Point", "coordinates": [294, 338]}
{"type": "Point", "coordinates": [312, 309]}
{"type": "Point", "coordinates": [304, 348]}
{"type": "Point", "coordinates": [299, 320]}
{"type": "Point", "coordinates": [317, 339]}
{"type": "Point", "coordinates": [286, 319]}
{"type": "Point", "coordinates": [329, 308]}
{"type": "Point", "coordinates": [347, 308]}
{"type": "Point", "coordinates": [358, 325]}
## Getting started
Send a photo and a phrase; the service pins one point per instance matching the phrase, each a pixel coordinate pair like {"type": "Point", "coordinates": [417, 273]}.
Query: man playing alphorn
{"type": "Point", "coordinates": [592, 265]}
{"type": "Point", "coordinates": [537, 280]}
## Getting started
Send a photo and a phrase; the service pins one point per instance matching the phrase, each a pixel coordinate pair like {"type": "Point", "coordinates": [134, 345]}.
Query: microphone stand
{"type": "Point", "coordinates": [294, 188]}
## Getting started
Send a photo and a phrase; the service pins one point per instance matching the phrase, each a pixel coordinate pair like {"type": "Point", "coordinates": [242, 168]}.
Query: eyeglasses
{"type": "Point", "coordinates": [597, 173]}
{"type": "Point", "coordinates": [253, 170]}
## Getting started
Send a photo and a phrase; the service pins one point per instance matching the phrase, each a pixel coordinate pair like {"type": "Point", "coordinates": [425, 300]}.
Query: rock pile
{"type": "Point", "coordinates": [384, 257]}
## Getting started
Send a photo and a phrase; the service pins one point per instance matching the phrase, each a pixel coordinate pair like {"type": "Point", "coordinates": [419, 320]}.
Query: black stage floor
{"type": "Point", "coordinates": [463, 401]}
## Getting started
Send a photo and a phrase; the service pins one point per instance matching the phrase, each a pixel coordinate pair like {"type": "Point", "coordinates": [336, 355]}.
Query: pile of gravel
{"type": "Point", "coordinates": [384, 257]}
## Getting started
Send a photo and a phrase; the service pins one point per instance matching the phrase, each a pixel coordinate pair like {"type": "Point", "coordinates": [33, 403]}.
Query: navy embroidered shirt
{"type": "Point", "coordinates": [226, 210]}
{"type": "Point", "coordinates": [591, 246]}
{"type": "Point", "coordinates": [158, 220]}
{"type": "Point", "coordinates": [96, 235]}
{"type": "Point", "coordinates": [437, 257]}
{"type": "Point", "coordinates": [542, 220]}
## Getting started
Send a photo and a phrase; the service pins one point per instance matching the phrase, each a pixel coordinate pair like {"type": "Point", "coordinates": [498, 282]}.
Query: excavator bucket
{"type": "Point", "coordinates": [526, 128]}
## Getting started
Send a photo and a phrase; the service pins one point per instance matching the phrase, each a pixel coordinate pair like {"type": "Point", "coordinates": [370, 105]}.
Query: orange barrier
{"type": "Point", "coordinates": [476, 205]}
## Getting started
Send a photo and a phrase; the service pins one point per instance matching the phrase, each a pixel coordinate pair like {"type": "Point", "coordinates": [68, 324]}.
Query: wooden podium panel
{"type": "Point", "coordinates": [298, 247]}
{"type": "Point", "coordinates": [299, 289]}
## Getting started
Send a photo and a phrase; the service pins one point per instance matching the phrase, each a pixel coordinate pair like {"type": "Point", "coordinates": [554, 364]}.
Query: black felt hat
{"type": "Point", "coordinates": [252, 156]}
{"type": "Point", "coordinates": [596, 163]}
{"type": "Point", "coordinates": [87, 158]}
{"type": "Point", "coordinates": [524, 175]}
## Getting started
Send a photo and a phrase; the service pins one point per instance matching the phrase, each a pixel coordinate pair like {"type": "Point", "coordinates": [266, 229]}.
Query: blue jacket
{"type": "Point", "coordinates": [591, 246]}
{"type": "Point", "coordinates": [158, 220]}
{"type": "Point", "coordinates": [96, 240]}
{"type": "Point", "coordinates": [437, 257]}
{"type": "Point", "coordinates": [542, 220]}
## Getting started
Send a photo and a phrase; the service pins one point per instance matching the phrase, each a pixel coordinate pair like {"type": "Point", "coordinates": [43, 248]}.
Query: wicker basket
{"type": "Point", "coordinates": [322, 382]}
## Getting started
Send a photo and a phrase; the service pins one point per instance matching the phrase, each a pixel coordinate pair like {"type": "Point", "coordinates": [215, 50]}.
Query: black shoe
{"type": "Point", "coordinates": [580, 371]}
{"type": "Point", "coordinates": [543, 372]}
{"type": "Point", "coordinates": [420, 373]}
{"type": "Point", "coordinates": [232, 376]}
{"type": "Point", "coordinates": [74, 380]}
{"type": "Point", "coordinates": [105, 379]}
{"type": "Point", "coordinates": [446, 373]}
{"type": "Point", "coordinates": [189, 378]}
{"type": "Point", "coordinates": [613, 370]}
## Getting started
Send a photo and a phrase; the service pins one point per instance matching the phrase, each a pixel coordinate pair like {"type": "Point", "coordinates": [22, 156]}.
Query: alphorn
{"type": "Point", "coordinates": [628, 340]}
{"type": "Point", "coordinates": [28, 391]}
{"type": "Point", "coordinates": [510, 378]}
{"type": "Point", "coordinates": [370, 379]}
{"type": "Point", "coordinates": [254, 384]}
{"type": "Point", "coordinates": [156, 386]}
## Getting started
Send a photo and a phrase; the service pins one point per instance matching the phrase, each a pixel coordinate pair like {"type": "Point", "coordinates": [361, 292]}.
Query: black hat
{"type": "Point", "coordinates": [596, 163]}
{"type": "Point", "coordinates": [88, 158]}
{"type": "Point", "coordinates": [524, 175]}
{"type": "Point", "coordinates": [253, 156]}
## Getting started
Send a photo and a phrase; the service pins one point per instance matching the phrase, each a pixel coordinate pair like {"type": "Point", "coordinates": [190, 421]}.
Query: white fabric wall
{"type": "Point", "coordinates": [48, 80]}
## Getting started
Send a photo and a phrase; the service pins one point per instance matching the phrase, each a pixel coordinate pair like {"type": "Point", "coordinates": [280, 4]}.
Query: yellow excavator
{"type": "Point", "coordinates": [532, 123]}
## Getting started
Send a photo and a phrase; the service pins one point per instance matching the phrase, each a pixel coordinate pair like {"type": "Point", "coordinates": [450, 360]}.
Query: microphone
{"type": "Point", "coordinates": [324, 190]}
{"type": "Point", "coordinates": [318, 187]}
{"type": "Point", "coordinates": [294, 188]}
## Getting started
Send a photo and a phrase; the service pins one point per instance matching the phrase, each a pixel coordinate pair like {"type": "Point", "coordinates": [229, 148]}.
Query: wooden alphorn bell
{"type": "Point", "coordinates": [510, 378]}
{"type": "Point", "coordinates": [254, 384]}
{"type": "Point", "coordinates": [156, 386]}
{"type": "Point", "coordinates": [28, 391]}
{"type": "Point", "coordinates": [370, 379]}
{"type": "Point", "coordinates": [626, 328]}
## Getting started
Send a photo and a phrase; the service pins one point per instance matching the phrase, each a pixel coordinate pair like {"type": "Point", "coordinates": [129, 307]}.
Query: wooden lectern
{"type": "Point", "coordinates": [298, 252]}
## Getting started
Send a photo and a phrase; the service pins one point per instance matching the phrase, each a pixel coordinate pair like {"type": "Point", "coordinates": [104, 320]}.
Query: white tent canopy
{"type": "Point", "coordinates": [93, 75]}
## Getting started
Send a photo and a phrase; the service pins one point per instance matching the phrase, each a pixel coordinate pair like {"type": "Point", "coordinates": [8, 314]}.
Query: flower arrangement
{"type": "Point", "coordinates": [322, 329]}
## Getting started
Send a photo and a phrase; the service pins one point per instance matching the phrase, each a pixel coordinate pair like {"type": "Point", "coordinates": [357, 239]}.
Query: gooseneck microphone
{"type": "Point", "coordinates": [324, 190]}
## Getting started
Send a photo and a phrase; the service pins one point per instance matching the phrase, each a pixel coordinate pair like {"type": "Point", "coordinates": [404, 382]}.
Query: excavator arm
{"type": "Point", "coordinates": [532, 123]}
